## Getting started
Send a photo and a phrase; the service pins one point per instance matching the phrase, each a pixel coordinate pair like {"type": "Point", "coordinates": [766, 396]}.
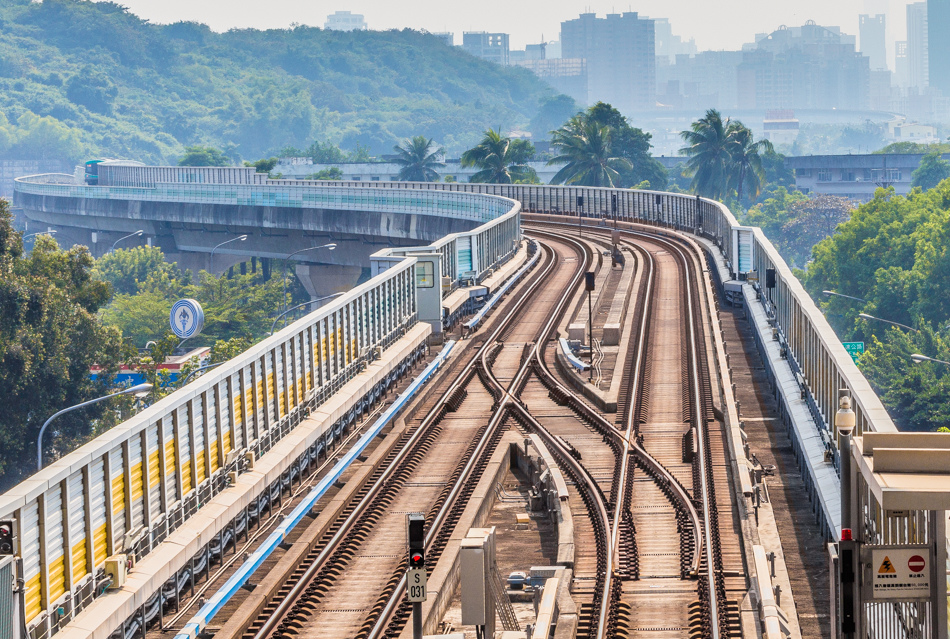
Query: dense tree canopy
{"type": "Point", "coordinates": [894, 253]}
{"type": "Point", "coordinates": [242, 306]}
{"type": "Point", "coordinates": [49, 338]}
{"type": "Point", "coordinates": [932, 171]}
{"type": "Point", "coordinates": [128, 88]}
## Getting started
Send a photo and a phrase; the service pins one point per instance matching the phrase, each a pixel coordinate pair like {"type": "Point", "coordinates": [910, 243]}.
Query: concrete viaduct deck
{"type": "Point", "coordinates": [152, 478]}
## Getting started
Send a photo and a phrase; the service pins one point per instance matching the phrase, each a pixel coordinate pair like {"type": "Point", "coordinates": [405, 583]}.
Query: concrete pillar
{"type": "Point", "coordinates": [320, 280]}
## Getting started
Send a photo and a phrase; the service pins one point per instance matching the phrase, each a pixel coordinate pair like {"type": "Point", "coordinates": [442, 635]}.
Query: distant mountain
{"type": "Point", "coordinates": [106, 82]}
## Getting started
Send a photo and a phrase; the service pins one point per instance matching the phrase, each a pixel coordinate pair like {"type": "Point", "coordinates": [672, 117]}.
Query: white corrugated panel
{"type": "Point", "coordinates": [117, 481]}
{"type": "Point", "coordinates": [170, 471]}
{"type": "Point", "coordinates": [260, 400]}
{"type": "Point", "coordinates": [184, 451]}
{"type": "Point", "coordinates": [198, 425]}
{"type": "Point", "coordinates": [77, 526]}
{"type": "Point", "coordinates": [97, 505]}
{"type": "Point", "coordinates": [30, 549]}
{"type": "Point", "coordinates": [213, 433]}
{"type": "Point", "coordinates": [231, 410]}
{"type": "Point", "coordinates": [154, 472]}
{"type": "Point", "coordinates": [280, 387]}
{"type": "Point", "coordinates": [55, 553]}
{"type": "Point", "coordinates": [137, 487]}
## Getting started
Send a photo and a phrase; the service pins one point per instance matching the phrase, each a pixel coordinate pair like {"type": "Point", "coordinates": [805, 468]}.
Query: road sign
{"type": "Point", "coordinates": [187, 318]}
{"type": "Point", "coordinates": [854, 349]}
{"type": "Point", "coordinates": [899, 572]}
{"type": "Point", "coordinates": [416, 585]}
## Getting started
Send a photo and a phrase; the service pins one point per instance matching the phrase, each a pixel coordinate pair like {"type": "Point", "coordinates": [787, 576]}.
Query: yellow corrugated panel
{"type": "Point", "coordinates": [226, 440]}
{"type": "Point", "coordinates": [215, 463]}
{"type": "Point", "coordinates": [136, 488]}
{"type": "Point", "coordinates": [155, 476]}
{"type": "Point", "coordinates": [32, 598]}
{"type": "Point", "coordinates": [185, 478]}
{"type": "Point", "coordinates": [57, 578]}
{"type": "Point", "coordinates": [200, 464]}
{"type": "Point", "coordinates": [238, 417]}
{"type": "Point", "coordinates": [79, 560]}
{"type": "Point", "coordinates": [118, 493]}
{"type": "Point", "coordinates": [270, 387]}
{"type": "Point", "coordinates": [99, 545]}
{"type": "Point", "coordinates": [309, 380]}
{"type": "Point", "coordinates": [170, 456]}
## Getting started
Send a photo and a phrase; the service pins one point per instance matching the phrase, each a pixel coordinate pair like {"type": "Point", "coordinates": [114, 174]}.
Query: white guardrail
{"type": "Point", "coordinates": [127, 490]}
{"type": "Point", "coordinates": [130, 487]}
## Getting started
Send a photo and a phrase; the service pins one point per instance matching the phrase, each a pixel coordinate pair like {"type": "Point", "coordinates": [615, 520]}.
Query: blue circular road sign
{"type": "Point", "coordinates": [187, 318]}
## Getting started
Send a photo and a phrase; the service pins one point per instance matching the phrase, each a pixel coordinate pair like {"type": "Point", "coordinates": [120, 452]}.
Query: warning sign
{"type": "Point", "coordinates": [887, 568]}
{"type": "Point", "coordinates": [900, 572]}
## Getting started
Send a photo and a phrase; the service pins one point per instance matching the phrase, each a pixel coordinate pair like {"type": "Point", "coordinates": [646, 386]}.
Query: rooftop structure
{"type": "Point", "coordinates": [487, 46]}
{"type": "Point", "coordinates": [345, 21]}
{"type": "Point", "coordinates": [855, 177]}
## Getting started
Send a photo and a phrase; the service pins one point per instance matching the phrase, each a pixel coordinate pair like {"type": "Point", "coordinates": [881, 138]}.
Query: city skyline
{"type": "Point", "coordinates": [528, 22]}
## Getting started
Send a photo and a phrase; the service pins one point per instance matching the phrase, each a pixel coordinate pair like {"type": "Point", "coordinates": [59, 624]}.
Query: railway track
{"type": "Point", "coordinates": [423, 468]}
{"type": "Point", "coordinates": [640, 477]}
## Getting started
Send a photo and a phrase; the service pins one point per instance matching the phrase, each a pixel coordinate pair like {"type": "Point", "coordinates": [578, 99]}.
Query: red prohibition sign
{"type": "Point", "coordinates": [916, 563]}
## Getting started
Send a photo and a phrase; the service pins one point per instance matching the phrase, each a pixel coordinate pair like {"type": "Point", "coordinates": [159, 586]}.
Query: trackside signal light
{"type": "Point", "coordinates": [417, 540]}
{"type": "Point", "coordinates": [6, 538]}
{"type": "Point", "coordinates": [417, 559]}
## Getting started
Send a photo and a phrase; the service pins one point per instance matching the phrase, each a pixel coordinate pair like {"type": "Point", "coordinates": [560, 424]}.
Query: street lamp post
{"type": "Point", "coordinates": [848, 297]}
{"type": "Point", "coordinates": [867, 317]}
{"type": "Point", "coordinates": [283, 279]}
{"type": "Point", "coordinates": [291, 310]}
{"type": "Point", "coordinates": [239, 238]}
{"type": "Point", "coordinates": [133, 390]}
{"type": "Point", "coordinates": [917, 357]}
{"type": "Point", "coordinates": [137, 233]}
{"type": "Point", "coordinates": [49, 232]}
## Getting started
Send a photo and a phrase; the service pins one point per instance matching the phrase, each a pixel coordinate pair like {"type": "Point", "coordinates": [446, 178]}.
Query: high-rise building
{"type": "Point", "coordinates": [621, 58]}
{"type": "Point", "coordinates": [918, 67]}
{"type": "Point", "coordinates": [345, 21]}
{"type": "Point", "coordinates": [901, 64]}
{"type": "Point", "coordinates": [488, 46]}
{"type": "Point", "coordinates": [871, 29]}
{"type": "Point", "coordinates": [938, 45]}
{"type": "Point", "coordinates": [807, 67]}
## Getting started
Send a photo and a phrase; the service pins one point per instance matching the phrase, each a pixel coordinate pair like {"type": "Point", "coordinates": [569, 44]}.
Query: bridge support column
{"type": "Point", "coordinates": [325, 279]}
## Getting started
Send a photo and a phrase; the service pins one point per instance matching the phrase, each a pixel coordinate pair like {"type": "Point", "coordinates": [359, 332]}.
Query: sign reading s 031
{"type": "Point", "coordinates": [416, 585]}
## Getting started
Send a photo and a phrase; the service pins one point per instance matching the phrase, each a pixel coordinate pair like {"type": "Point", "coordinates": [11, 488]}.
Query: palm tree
{"type": "Point", "coordinates": [499, 160]}
{"type": "Point", "coordinates": [746, 161]}
{"type": "Point", "coordinates": [585, 151]}
{"type": "Point", "coordinates": [418, 160]}
{"type": "Point", "coordinates": [708, 145]}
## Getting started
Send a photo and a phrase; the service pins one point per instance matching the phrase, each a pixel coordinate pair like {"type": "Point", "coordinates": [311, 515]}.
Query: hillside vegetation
{"type": "Point", "coordinates": [78, 77]}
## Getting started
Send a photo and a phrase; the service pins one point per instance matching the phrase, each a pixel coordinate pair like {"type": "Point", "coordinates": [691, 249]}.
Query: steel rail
{"type": "Point", "coordinates": [432, 417]}
{"type": "Point", "coordinates": [499, 415]}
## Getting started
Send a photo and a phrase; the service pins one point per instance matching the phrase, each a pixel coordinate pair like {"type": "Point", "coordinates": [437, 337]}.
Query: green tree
{"type": "Point", "coordinates": [500, 160]}
{"type": "Point", "coordinates": [203, 156]}
{"type": "Point", "coordinates": [744, 152]}
{"type": "Point", "coordinates": [709, 146]}
{"type": "Point", "coordinates": [552, 112]}
{"type": "Point", "coordinates": [92, 89]}
{"type": "Point", "coordinates": [811, 220]}
{"type": "Point", "coordinates": [419, 160]}
{"type": "Point", "coordinates": [333, 173]}
{"type": "Point", "coordinates": [932, 171]}
{"type": "Point", "coordinates": [126, 269]}
{"type": "Point", "coordinates": [264, 165]}
{"type": "Point", "coordinates": [325, 153]}
{"type": "Point", "coordinates": [632, 144]}
{"type": "Point", "coordinates": [49, 338]}
{"type": "Point", "coordinates": [583, 146]}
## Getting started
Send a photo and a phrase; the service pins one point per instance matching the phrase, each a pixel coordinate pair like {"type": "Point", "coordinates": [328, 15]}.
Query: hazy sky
{"type": "Point", "coordinates": [715, 25]}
